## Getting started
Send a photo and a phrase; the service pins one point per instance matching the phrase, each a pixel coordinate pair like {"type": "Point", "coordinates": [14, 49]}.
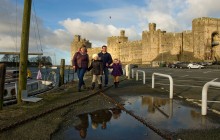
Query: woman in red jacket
{"type": "Point", "coordinates": [80, 64]}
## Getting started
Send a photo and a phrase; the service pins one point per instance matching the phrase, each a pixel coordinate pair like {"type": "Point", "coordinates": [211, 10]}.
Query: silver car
{"type": "Point", "coordinates": [195, 66]}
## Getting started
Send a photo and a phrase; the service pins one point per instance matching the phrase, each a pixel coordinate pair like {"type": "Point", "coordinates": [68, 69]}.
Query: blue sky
{"type": "Point", "coordinates": [57, 21]}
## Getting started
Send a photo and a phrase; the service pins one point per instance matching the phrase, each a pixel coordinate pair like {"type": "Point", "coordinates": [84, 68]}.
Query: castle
{"type": "Point", "coordinates": [201, 43]}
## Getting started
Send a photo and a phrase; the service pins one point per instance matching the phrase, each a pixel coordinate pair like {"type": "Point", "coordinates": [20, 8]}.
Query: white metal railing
{"type": "Point", "coordinates": [171, 82]}
{"type": "Point", "coordinates": [137, 71]}
{"type": "Point", "coordinates": [132, 73]}
{"type": "Point", "coordinates": [128, 70]}
{"type": "Point", "coordinates": [124, 71]}
{"type": "Point", "coordinates": [204, 94]}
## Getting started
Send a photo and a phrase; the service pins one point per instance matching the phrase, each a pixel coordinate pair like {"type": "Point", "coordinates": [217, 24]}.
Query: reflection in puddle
{"type": "Point", "coordinates": [167, 114]}
{"type": "Point", "coordinates": [164, 114]}
{"type": "Point", "coordinates": [105, 124]}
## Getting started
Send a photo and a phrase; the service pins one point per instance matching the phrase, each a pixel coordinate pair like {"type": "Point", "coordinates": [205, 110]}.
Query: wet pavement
{"type": "Point", "coordinates": [167, 114]}
{"type": "Point", "coordinates": [177, 116]}
{"type": "Point", "coordinates": [170, 116]}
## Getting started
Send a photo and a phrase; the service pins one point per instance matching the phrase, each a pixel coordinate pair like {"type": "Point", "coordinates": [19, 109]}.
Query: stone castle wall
{"type": "Point", "coordinates": [199, 42]}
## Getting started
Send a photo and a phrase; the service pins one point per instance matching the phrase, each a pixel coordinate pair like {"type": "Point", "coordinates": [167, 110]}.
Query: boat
{"type": "Point", "coordinates": [14, 84]}
{"type": "Point", "coordinates": [34, 86]}
{"type": "Point", "coordinates": [50, 67]}
{"type": "Point", "coordinates": [54, 67]}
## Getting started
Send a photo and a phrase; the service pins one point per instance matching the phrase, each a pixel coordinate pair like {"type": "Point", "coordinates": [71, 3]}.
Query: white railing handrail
{"type": "Point", "coordinates": [171, 82]}
{"type": "Point", "coordinates": [204, 95]}
{"type": "Point", "coordinates": [128, 70]}
{"type": "Point", "coordinates": [143, 75]}
{"type": "Point", "coordinates": [132, 73]}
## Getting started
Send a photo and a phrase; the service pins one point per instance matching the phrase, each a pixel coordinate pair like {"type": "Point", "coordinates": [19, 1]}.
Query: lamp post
{"type": "Point", "coordinates": [181, 56]}
{"type": "Point", "coordinates": [162, 52]}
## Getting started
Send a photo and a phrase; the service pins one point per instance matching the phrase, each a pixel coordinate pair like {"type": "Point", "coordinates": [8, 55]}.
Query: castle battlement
{"type": "Point", "coordinates": [154, 42]}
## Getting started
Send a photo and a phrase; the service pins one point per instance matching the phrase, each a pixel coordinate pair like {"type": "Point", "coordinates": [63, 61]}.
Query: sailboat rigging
{"type": "Point", "coordinates": [25, 85]}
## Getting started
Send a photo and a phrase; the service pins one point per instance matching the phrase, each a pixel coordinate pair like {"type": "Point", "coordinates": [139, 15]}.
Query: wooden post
{"type": "Point", "coordinates": [2, 84]}
{"type": "Point", "coordinates": [62, 69]}
{"type": "Point", "coordinates": [68, 73]}
{"type": "Point", "coordinates": [22, 82]}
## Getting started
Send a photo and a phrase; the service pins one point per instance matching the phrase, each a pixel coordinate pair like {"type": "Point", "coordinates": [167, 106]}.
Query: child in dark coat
{"type": "Point", "coordinates": [116, 72]}
{"type": "Point", "coordinates": [97, 70]}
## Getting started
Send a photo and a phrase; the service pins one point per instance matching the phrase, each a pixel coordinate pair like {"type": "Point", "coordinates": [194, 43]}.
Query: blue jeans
{"type": "Point", "coordinates": [80, 73]}
{"type": "Point", "coordinates": [106, 73]}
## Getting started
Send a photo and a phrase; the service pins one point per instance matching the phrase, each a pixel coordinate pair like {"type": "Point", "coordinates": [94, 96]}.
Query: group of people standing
{"type": "Point", "coordinates": [100, 64]}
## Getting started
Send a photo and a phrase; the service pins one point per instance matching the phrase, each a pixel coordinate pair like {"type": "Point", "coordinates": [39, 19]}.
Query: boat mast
{"type": "Point", "coordinates": [22, 82]}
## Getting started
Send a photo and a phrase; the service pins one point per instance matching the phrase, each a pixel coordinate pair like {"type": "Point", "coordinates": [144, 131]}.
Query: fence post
{"type": "Point", "coordinates": [128, 70]}
{"type": "Point", "coordinates": [68, 73]}
{"type": "Point", "coordinates": [62, 69]}
{"type": "Point", "coordinates": [132, 73]}
{"type": "Point", "coordinates": [2, 84]}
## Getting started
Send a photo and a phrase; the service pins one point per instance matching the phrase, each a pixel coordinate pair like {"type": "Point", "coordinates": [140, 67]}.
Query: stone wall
{"type": "Point", "coordinates": [199, 42]}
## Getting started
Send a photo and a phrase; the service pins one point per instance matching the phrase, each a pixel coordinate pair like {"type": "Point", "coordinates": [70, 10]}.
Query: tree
{"type": "Point", "coordinates": [15, 58]}
{"type": "Point", "coordinates": [44, 60]}
{"type": "Point", "coordinates": [6, 58]}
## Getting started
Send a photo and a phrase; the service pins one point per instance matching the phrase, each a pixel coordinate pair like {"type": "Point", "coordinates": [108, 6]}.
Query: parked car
{"type": "Point", "coordinates": [134, 66]}
{"type": "Point", "coordinates": [170, 65]}
{"type": "Point", "coordinates": [181, 65]}
{"type": "Point", "coordinates": [195, 66]}
{"type": "Point", "coordinates": [205, 63]}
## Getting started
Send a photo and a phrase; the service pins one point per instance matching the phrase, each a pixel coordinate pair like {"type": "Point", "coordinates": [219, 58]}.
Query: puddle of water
{"type": "Point", "coordinates": [166, 114]}
{"type": "Point", "coordinates": [162, 113]}
{"type": "Point", "coordinates": [105, 124]}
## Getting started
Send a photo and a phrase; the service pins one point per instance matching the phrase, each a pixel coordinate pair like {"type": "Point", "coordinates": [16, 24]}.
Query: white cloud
{"type": "Point", "coordinates": [169, 15]}
{"type": "Point", "coordinates": [95, 32]}
{"type": "Point", "coordinates": [200, 8]}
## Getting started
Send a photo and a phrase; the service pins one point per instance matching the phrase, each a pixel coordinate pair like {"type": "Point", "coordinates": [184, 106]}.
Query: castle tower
{"type": "Point", "coordinates": [115, 42]}
{"type": "Point", "coordinates": [77, 43]}
{"type": "Point", "coordinates": [77, 38]}
{"type": "Point", "coordinates": [204, 29]}
{"type": "Point", "coordinates": [152, 27]}
{"type": "Point", "coordinates": [122, 33]}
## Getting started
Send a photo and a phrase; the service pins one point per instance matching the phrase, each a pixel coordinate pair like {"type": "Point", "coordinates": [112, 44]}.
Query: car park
{"type": "Point", "coordinates": [195, 66]}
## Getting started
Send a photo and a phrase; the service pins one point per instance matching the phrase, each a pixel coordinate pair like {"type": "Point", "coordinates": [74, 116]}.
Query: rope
{"type": "Point", "coordinates": [35, 17]}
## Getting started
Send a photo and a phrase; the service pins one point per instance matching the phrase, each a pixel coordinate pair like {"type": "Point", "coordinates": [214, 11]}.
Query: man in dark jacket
{"type": "Point", "coordinates": [107, 60]}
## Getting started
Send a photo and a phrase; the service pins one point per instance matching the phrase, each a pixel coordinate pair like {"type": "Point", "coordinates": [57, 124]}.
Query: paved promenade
{"type": "Point", "coordinates": [188, 84]}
